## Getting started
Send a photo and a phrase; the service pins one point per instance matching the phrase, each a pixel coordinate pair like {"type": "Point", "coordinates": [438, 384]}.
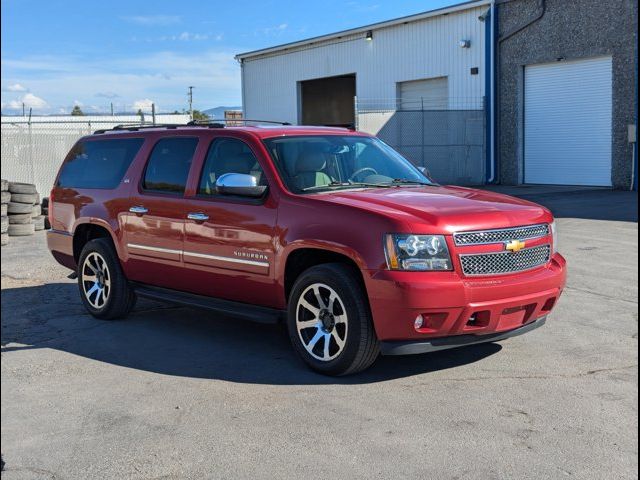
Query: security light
{"type": "Point", "coordinates": [369, 35]}
{"type": "Point", "coordinates": [464, 43]}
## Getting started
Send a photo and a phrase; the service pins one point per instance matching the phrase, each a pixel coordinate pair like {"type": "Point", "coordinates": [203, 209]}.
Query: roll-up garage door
{"type": "Point", "coordinates": [427, 94]}
{"type": "Point", "coordinates": [567, 122]}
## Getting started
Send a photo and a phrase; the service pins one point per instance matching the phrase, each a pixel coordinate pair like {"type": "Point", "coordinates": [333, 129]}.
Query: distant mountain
{"type": "Point", "coordinates": [218, 112]}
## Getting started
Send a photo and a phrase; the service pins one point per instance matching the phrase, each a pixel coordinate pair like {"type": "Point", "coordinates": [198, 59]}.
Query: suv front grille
{"type": "Point", "coordinates": [505, 262]}
{"type": "Point", "coordinates": [483, 237]}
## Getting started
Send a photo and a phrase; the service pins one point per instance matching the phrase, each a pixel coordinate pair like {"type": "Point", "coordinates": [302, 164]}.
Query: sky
{"type": "Point", "coordinates": [57, 54]}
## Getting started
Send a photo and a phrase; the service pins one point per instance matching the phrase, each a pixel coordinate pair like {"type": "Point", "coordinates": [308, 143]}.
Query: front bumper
{"type": "Point", "coordinates": [451, 304]}
{"type": "Point", "coordinates": [455, 341]}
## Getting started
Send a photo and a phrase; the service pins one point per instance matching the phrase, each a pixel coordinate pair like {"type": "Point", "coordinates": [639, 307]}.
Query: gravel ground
{"type": "Point", "coordinates": [179, 393]}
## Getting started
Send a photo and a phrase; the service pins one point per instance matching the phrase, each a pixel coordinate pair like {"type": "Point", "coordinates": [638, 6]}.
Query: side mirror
{"type": "Point", "coordinates": [426, 171]}
{"type": "Point", "coordinates": [239, 184]}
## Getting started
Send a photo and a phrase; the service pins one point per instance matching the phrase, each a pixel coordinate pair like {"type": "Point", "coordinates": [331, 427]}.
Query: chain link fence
{"type": "Point", "coordinates": [32, 150]}
{"type": "Point", "coordinates": [447, 139]}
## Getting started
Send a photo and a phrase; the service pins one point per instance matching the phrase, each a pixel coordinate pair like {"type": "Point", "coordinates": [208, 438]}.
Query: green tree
{"type": "Point", "coordinates": [200, 117]}
{"type": "Point", "coordinates": [77, 111]}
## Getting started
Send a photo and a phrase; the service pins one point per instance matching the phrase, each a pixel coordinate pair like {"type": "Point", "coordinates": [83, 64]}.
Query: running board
{"type": "Point", "coordinates": [245, 311]}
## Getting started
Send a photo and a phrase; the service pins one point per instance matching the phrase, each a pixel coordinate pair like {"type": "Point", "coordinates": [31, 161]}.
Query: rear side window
{"type": "Point", "coordinates": [169, 164]}
{"type": "Point", "coordinates": [98, 163]}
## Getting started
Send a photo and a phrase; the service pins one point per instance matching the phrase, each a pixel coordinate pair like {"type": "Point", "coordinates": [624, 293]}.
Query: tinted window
{"type": "Point", "coordinates": [98, 163]}
{"type": "Point", "coordinates": [169, 164]}
{"type": "Point", "coordinates": [228, 155]}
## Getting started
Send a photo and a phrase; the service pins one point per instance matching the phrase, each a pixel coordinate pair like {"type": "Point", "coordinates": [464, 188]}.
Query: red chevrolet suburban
{"type": "Point", "coordinates": [327, 229]}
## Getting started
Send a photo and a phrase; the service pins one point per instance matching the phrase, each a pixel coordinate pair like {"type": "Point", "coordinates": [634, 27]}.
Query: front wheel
{"type": "Point", "coordinates": [104, 290]}
{"type": "Point", "coordinates": [329, 320]}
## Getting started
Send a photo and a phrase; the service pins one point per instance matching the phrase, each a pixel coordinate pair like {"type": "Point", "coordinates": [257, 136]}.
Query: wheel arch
{"type": "Point", "coordinates": [305, 256]}
{"type": "Point", "coordinates": [84, 232]}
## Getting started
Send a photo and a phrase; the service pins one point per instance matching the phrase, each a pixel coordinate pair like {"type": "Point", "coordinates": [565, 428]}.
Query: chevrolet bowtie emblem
{"type": "Point", "coordinates": [515, 246]}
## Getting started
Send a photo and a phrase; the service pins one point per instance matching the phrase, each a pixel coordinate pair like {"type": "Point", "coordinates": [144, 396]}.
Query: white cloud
{"type": "Point", "coordinates": [187, 36]}
{"type": "Point", "coordinates": [108, 94]}
{"type": "Point", "coordinates": [144, 105]}
{"type": "Point", "coordinates": [275, 30]}
{"type": "Point", "coordinates": [29, 100]}
{"type": "Point", "coordinates": [162, 76]}
{"type": "Point", "coordinates": [16, 87]}
{"type": "Point", "coordinates": [153, 20]}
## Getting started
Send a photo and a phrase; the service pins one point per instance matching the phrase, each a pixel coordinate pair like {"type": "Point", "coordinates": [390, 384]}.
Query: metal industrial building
{"type": "Point", "coordinates": [567, 92]}
{"type": "Point", "coordinates": [509, 91]}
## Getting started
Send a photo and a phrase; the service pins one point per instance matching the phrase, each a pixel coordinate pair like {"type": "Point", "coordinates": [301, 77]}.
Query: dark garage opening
{"type": "Point", "coordinates": [328, 101]}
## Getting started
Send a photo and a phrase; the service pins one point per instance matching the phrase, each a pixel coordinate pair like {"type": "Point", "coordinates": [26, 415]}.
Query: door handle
{"type": "Point", "coordinates": [138, 210]}
{"type": "Point", "coordinates": [198, 217]}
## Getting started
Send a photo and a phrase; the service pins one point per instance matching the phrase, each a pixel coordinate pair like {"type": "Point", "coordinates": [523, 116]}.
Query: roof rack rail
{"type": "Point", "coordinates": [222, 122]}
{"type": "Point", "coordinates": [134, 127]}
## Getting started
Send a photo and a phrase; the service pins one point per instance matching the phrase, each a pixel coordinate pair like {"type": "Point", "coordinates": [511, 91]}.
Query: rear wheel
{"type": "Point", "coordinates": [104, 290]}
{"type": "Point", "coordinates": [329, 321]}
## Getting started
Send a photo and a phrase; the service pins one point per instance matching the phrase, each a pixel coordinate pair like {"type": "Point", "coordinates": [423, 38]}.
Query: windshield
{"type": "Point", "coordinates": [326, 162]}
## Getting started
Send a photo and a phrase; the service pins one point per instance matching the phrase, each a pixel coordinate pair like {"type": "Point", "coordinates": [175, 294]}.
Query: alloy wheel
{"type": "Point", "coordinates": [321, 321]}
{"type": "Point", "coordinates": [96, 280]}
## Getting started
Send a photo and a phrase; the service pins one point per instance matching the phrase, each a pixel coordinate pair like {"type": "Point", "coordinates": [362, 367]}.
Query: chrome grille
{"type": "Point", "coordinates": [483, 237]}
{"type": "Point", "coordinates": [505, 262]}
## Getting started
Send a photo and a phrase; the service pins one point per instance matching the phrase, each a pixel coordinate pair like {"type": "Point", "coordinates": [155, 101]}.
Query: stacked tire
{"type": "Point", "coordinates": [6, 198]}
{"type": "Point", "coordinates": [45, 212]}
{"type": "Point", "coordinates": [24, 210]}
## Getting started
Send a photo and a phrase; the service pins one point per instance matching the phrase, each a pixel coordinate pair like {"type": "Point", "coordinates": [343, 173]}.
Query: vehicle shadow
{"type": "Point", "coordinates": [180, 341]}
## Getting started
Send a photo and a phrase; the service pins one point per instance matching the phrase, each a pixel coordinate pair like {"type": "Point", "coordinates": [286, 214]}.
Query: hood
{"type": "Point", "coordinates": [443, 209]}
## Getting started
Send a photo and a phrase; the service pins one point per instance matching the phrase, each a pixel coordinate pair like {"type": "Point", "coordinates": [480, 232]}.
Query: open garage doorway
{"type": "Point", "coordinates": [328, 101]}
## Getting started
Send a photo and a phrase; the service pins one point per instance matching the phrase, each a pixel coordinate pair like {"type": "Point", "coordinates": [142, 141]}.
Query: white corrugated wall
{"type": "Point", "coordinates": [422, 49]}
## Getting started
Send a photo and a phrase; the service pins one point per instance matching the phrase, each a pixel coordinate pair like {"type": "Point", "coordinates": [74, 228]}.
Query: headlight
{"type": "Point", "coordinates": [554, 235]}
{"type": "Point", "coordinates": [417, 252]}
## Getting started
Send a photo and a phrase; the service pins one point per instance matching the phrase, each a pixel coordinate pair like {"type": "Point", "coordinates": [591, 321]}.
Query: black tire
{"type": "Point", "coordinates": [47, 223]}
{"type": "Point", "coordinates": [17, 187]}
{"type": "Point", "coordinates": [20, 230]}
{"type": "Point", "coordinates": [45, 202]}
{"type": "Point", "coordinates": [360, 343]}
{"type": "Point", "coordinates": [38, 223]}
{"type": "Point", "coordinates": [36, 211]}
{"type": "Point", "coordinates": [120, 298]}
{"type": "Point", "coordinates": [15, 207]}
{"type": "Point", "coordinates": [20, 218]}
{"type": "Point", "coordinates": [29, 198]}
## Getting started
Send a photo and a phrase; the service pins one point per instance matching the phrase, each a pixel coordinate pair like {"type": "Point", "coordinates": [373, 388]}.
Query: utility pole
{"type": "Point", "coordinates": [191, 101]}
{"type": "Point", "coordinates": [23, 113]}
{"type": "Point", "coordinates": [112, 109]}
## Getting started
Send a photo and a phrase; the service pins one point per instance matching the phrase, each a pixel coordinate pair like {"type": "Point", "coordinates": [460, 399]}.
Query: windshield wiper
{"type": "Point", "coordinates": [347, 184]}
{"type": "Point", "coordinates": [406, 181]}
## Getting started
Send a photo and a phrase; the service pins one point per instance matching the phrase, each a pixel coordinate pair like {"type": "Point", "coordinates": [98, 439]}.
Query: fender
{"type": "Point", "coordinates": [115, 232]}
